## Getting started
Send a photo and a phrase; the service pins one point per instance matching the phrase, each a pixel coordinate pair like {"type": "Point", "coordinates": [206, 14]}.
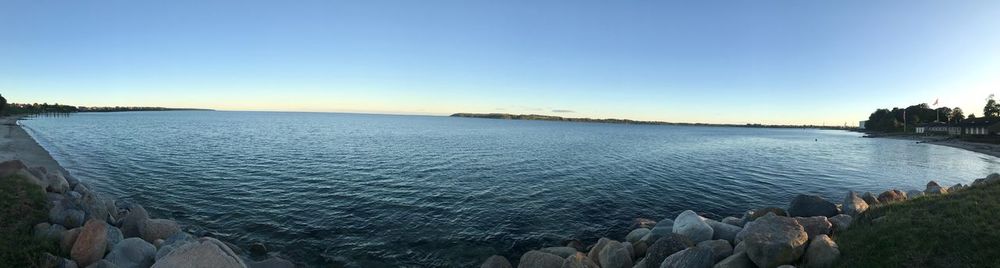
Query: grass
{"type": "Point", "coordinates": [960, 229]}
{"type": "Point", "coordinates": [22, 205]}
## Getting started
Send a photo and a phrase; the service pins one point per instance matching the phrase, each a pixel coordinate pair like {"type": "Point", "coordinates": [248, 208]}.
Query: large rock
{"type": "Point", "coordinates": [693, 226]}
{"type": "Point", "coordinates": [666, 246]}
{"type": "Point", "coordinates": [68, 217]}
{"type": "Point", "coordinates": [811, 205]}
{"type": "Point", "coordinates": [822, 253]}
{"type": "Point", "coordinates": [764, 211]}
{"type": "Point", "coordinates": [615, 255]}
{"type": "Point", "coordinates": [102, 264]}
{"type": "Point", "coordinates": [93, 205]}
{"type": "Point", "coordinates": [841, 222]}
{"type": "Point", "coordinates": [853, 204]}
{"type": "Point", "coordinates": [814, 226]}
{"type": "Point", "coordinates": [870, 198]}
{"type": "Point", "coordinates": [56, 183]}
{"type": "Point", "coordinates": [132, 253]}
{"type": "Point", "coordinates": [595, 251]}
{"type": "Point", "coordinates": [891, 196]}
{"type": "Point", "coordinates": [562, 252]}
{"type": "Point", "coordinates": [173, 242]}
{"type": "Point", "coordinates": [934, 189]}
{"type": "Point", "coordinates": [733, 221]}
{"type": "Point", "coordinates": [579, 260]}
{"type": "Point", "coordinates": [114, 237]}
{"type": "Point", "coordinates": [695, 257]}
{"type": "Point", "coordinates": [276, 262]}
{"type": "Point", "coordinates": [66, 243]}
{"type": "Point", "coordinates": [136, 217]}
{"type": "Point", "coordinates": [636, 235]}
{"type": "Point", "coordinates": [538, 259]}
{"type": "Point", "coordinates": [154, 229]}
{"type": "Point", "coordinates": [724, 231]}
{"type": "Point", "coordinates": [911, 194]}
{"type": "Point", "coordinates": [662, 228]}
{"type": "Point", "coordinates": [720, 249]}
{"type": "Point", "coordinates": [91, 243]}
{"type": "Point", "coordinates": [205, 253]}
{"type": "Point", "coordinates": [773, 240]}
{"type": "Point", "coordinates": [956, 187]}
{"type": "Point", "coordinates": [737, 260]}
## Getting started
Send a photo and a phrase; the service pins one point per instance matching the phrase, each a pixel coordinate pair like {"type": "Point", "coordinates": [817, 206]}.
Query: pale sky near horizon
{"type": "Point", "coordinates": [771, 62]}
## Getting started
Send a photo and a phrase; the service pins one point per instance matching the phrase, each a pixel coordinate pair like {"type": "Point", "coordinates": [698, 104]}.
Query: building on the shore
{"type": "Point", "coordinates": [981, 127]}
{"type": "Point", "coordinates": [861, 124]}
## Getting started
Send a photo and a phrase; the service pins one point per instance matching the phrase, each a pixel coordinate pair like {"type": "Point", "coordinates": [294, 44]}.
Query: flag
{"type": "Point", "coordinates": [936, 101]}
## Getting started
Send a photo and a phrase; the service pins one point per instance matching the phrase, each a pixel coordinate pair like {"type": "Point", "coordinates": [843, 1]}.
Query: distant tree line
{"type": "Point", "coordinates": [35, 108]}
{"type": "Point", "coordinates": [893, 120]}
{"type": "Point", "coordinates": [622, 121]}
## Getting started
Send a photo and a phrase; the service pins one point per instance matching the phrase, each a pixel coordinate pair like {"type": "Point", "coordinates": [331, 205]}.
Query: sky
{"type": "Point", "coordinates": [769, 62]}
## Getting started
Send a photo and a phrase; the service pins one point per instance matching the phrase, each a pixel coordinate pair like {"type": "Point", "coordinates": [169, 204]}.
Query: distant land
{"type": "Point", "coordinates": [627, 121]}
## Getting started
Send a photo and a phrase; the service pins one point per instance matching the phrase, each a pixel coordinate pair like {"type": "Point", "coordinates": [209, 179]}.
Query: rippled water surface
{"type": "Point", "coordinates": [358, 190]}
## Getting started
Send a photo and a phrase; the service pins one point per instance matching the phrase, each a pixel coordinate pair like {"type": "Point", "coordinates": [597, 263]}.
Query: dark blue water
{"type": "Point", "coordinates": [360, 190]}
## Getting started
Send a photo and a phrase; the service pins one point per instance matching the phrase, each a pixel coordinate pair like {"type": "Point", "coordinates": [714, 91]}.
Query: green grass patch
{"type": "Point", "coordinates": [960, 229]}
{"type": "Point", "coordinates": [22, 205]}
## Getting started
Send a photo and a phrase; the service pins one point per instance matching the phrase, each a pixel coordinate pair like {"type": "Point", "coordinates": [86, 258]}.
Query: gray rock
{"type": "Point", "coordinates": [132, 253]}
{"type": "Point", "coordinates": [56, 182]}
{"type": "Point", "coordinates": [738, 260]}
{"type": "Point", "coordinates": [666, 246]}
{"type": "Point", "coordinates": [720, 249]}
{"type": "Point", "coordinates": [870, 198]}
{"type": "Point", "coordinates": [956, 187]}
{"type": "Point", "coordinates": [206, 252]}
{"type": "Point", "coordinates": [276, 262]}
{"type": "Point", "coordinates": [68, 217]}
{"type": "Point", "coordinates": [822, 253]}
{"type": "Point", "coordinates": [636, 235]}
{"type": "Point", "coordinates": [853, 204]}
{"type": "Point", "coordinates": [640, 264]}
{"type": "Point", "coordinates": [764, 211]}
{"type": "Point", "coordinates": [724, 231]}
{"type": "Point", "coordinates": [694, 227]}
{"type": "Point", "coordinates": [579, 260]}
{"type": "Point", "coordinates": [538, 259]}
{"type": "Point", "coordinates": [595, 251]}
{"type": "Point", "coordinates": [814, 226]}
{"type": "Point", "coordinates": [811, 205]}
{"type": "Point", "coordinates": [154, 229]}
{"type": "Point", "coordinates": [911, 194]}
{"type": "Point", "coordinates": [173, 242]}
{"type": "Point", "coordinates": [102, 264]}
{"type": "Point", "coordinates": [662, 228]}
{"type": "Point", "coordinates": [733, 221]}
{"type": "Point", "coordinates": [114, 236]}
{"type": "Point", "coordinates": [773, 240]}
{"type": "Point", "coordinates": [136, 217]}
{"type": "Point", "coordinates": [841, 222]}
{"type": "Point", "coordinates": [562, 252]}
{"type": "Point", "coordinates": [695, 257]}
{"type": "Point", "coordinates": [256, 249]}
{"type": "Point", "coordinates": [630, 248]}
{"type": "Point", "coordinates": [934, 189]}
{"type": "Point", "coordinates": [615, 255]}
{"type": "Point", "coordinates": [639, 249]}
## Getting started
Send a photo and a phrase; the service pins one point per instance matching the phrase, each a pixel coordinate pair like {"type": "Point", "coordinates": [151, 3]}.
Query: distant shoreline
{"type": "Point", "coordinates": [983, 148]}
{"type": "Point", "coordinates": [628, 121]}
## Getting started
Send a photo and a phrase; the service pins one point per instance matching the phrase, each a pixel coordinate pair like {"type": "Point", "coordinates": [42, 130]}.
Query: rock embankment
{"type": "Point", "coordinates": [797, 236]}
{"type": "Point", "coordinates": [94, 231]}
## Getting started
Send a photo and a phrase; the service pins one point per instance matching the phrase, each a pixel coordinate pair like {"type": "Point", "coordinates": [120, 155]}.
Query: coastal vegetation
{"type": "Point", "coordinates": [622, 121]}
{"type": "Point", "coordinates": [41, 108]}
{"type": "Point", "coordinates": [22, 204]}
{"type": "Point", "coordinates": [905, 119]}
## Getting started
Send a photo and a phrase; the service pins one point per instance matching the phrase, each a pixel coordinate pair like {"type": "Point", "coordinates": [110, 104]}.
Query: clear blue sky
{"type": "Point", "coordinates": [785, 62]}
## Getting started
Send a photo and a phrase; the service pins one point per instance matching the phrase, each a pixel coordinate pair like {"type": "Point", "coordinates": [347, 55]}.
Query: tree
{"type": "Point", "coordinates": [956, 115]}
{"type": "Point", "coordinates": [992, 109]}
{"type": "Point", "coordinates": [3, 104]}
{"type": "Point", "coordinates": [971, 116]}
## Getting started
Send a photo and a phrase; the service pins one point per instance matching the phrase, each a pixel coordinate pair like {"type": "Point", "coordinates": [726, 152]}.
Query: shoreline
{"type": "Point", "coordinates": [171, 244]}
{"type": "Point", "coordinates": [978, 147]}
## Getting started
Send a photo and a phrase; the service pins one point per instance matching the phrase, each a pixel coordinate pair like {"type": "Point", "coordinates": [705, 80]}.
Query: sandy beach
{"type": "Point", "coordinates": [17, 144]}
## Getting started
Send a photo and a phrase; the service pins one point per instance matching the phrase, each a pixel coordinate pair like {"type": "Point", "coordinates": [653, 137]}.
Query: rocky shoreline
{"type": "Point", "coordinates": [800, 235]}
{"type": "Point", "coordinates": [96, 231]}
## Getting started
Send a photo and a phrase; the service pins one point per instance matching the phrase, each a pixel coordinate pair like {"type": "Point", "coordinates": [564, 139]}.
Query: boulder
{"type": "Point", "coordinates": [934, 189]}
{"type": "Point", "coordinates": [496, 261]}
{"type": "Point", "coordinates": [595, 251]}
{"type": "Point", "coordinates": [693, 226]}
{"type": "Point", "coordinates": [720, 249]}
{"type": "Point", "coordinates": [636, 235]}
{"type": "Point", "coordinates": [891, 196]}
{"type": "Point", "coordinates": [822, 253]}
{"type": "Point", "coordinates": [102, 264]}
{"type": "Point", "coordinates": [10, 167]}
{"type": "Point", "coordinates": [49, 260]}
{"type": "Point", "coordinates": [538, 259]}
{"type": "Point", "coordinates": [91, 243]}
{"type": "Point", "coordinates": [724, 231]}
{"type": "Point", "coordinates": [761, 212]}
{"type": "Point", "coordinates": [256, 249]}
{"type": "Point", "coordinates": [956, 187]}
{"type": "Point", "coordinates": [630, 248]}
{"type": "Point", "coordinates": [615, 255]}
{"type": "Point", "coordinates": [136, 217]}
{"type": "Point", "coordinates": [694, 257]}
{"type": "Point", "coordinates": [173, 242]}
{"type": "Point", "coordinates": [733, 221]}
{"type": "Point", "coordinates": [206, 252]}
{"type": "Point", "coordinates": [276, 262]}
{"type": "Point", "coordinates": [811, 205]}
{"type": "Point", "coordinates": [114, 236]}
{"type": "Point", "coordinates": [562, 252]}
{"type": "Point", "coordinates": [911, 194]}
{"type": "Point", "coordinates": [993, 177]}
{"type": "Point", "coordinates": [666, 246]}
{"type": "Point", "coordinates": [56, 182]}
{"type": "Point", "coordinates": [579, 260]}
{"type": "Point", "coordinates": [639, 249]}
{"type": "Point", "coordinates": [870, 199]}
{"type": "Point", "coordinates": [814, 226]}
{"type": "Point", "coordinates": [132, 253]}
{"type": "Point", "coordinates": [853, 204]}
{"type": "Point", "coordinates": [94, 207]}
{"type": "Point", "coordinates": [154, 229]}
{"type": "Point", "coordinates": [662, 228]}
{"type": "Point", "coordinates": [68, 217]}
{"type": "Point", "coordinates": [640, 264]}
{"type": "Point", "coordinates": [66, 243]}
{"type": "Point", "coordinates": [774, 240]}
{"type": "Point", "coordinates": [737, 260]}
{"type": "Point", "coordinates": [577, 244]}
{"type": "Point", "coordinates": [841, 222]}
